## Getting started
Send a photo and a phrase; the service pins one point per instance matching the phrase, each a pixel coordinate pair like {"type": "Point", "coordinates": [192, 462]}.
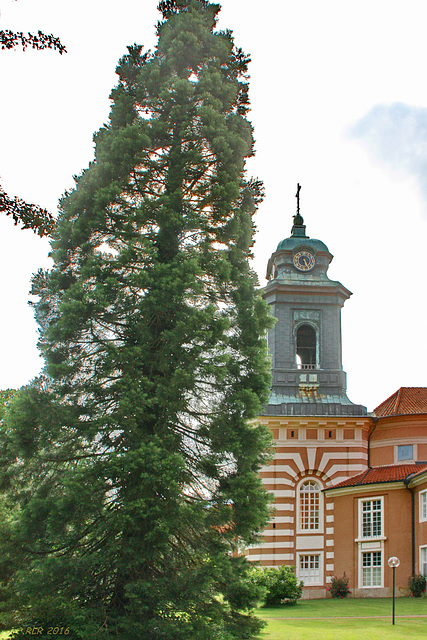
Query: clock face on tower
{"type": "Point", "coordinates": [304, 260]}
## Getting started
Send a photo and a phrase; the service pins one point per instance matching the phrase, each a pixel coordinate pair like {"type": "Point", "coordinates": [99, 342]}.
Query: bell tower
{"type": "Point", "coordinates": [321, 438]}
{"type": "Point", "coordinates": [305, 343]}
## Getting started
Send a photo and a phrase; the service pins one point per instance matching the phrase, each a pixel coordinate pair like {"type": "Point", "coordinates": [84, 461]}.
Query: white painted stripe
{"type": "Point", "coordinates": [311, 454]}
{"type": "Point", "coordinates": [283, 481]}
{"type": "Point", "coordinates": [341, 455]}
{"type": "Point", "coordinates": [352, 468]}
{"type": "Point", "coordinates": [330, 567]}
{"type": "Point", "coordinates": [283, 507]}
{"type": "Point", "coordinates": [271, 556]}
{"type": "Point", "coordinates": [284, 519]}
{"type": "Point", "coordinates": [274, 545]}
{"type": "Point", "coordinates": [330, 518]}
{"type": "Point", "coordinates": [283, 494]}
{"type": "Point", "coordinates": [329, 531]}
{"type": "Point", "coordinates": [330, 555]}
{"type": "Point", "coordinates": [266, 467]}
{"type": "Point", "coordinates": [283, 468]}
{"type": "Point", "coordinates": [295, 457]}
{"type": "Point", "coordinates": [278, 532]}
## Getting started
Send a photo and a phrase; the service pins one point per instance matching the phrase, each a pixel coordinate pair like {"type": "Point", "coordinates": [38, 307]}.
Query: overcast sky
{"type": "Point", "coordinates": [339, 104]}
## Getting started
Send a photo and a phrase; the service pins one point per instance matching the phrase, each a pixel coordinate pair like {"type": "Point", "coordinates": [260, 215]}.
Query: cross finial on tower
{"type": "Point", "coordinates": [297, 196]}
{"type": "Point", "coordinates": [299, 228]}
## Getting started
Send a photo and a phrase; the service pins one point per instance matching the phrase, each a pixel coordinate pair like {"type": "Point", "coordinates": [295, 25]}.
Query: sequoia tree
{"type": "Point", "coordinates": [132, 478]}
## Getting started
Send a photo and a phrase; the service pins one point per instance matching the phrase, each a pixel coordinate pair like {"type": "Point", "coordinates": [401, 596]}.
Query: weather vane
{"type": "Point", "coordinates": [297, 196]}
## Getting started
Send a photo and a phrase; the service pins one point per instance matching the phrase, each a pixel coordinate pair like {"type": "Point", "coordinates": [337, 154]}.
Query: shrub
{"type": "Point", "coordinates": [417, 586]}
{"type": "Point", "coordinates": [339, 587]}
{"type": "Point", "coordinates": [280, 585]}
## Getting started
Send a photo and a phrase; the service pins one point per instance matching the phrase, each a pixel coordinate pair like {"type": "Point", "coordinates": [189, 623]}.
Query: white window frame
{"type": "Point", "coordinates": [311, 580]}
{"type": "Point", "coordinates": [423, 506]}
{"type": "Point", "coordinates": [363, 501]}
{"type": "Point", "coordinates": [423, 561]}
{"type": "Point", "coordinates": [362, 552]}
{"type": "Point", "coordinates": [320, 527]}
{"type": "Point", "coordinates": [371, 543]}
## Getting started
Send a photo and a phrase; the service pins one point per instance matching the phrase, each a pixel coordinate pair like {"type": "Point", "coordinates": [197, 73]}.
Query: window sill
{"type": "Point", "coordinates": [376, 539]}
{"type": "Point", "coordinates": [377, 586]}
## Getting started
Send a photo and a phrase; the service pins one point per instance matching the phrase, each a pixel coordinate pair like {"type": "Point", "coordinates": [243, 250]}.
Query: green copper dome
{"type": "Point", "coordinates": [295, 241]}
{"type": "Point", "coordinates": [298, 237]}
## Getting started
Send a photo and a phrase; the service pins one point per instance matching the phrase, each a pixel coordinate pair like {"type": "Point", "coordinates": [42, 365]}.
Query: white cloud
{"type": "Point", "coordinates": [396, 135]}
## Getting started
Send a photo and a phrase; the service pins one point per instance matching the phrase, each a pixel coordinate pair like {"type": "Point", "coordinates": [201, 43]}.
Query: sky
{"type": "Point", "coordinates": [338, 104]}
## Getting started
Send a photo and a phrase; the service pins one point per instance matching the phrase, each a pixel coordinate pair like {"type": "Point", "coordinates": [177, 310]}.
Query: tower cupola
{"type": "Point", "coordinates": [305, 343]}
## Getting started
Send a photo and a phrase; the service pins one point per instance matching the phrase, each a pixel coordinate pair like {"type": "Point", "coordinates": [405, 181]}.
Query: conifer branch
{"type": "Point", "coordinates": [11, 39]}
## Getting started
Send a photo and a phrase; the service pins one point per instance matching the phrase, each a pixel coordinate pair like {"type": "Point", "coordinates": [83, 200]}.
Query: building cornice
{"type": "Point", "coordinates": [419, 478]}
{"type": "Point", "coordinates": [365, 488]}
{"type": "Point", "coordinates": [293, 422]}
{"type": "Point", "coordinates": [376, 444]}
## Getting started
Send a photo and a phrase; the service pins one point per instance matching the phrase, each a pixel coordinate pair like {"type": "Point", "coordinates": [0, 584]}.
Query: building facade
{"type": "Point", "coordinates": [349, 487]}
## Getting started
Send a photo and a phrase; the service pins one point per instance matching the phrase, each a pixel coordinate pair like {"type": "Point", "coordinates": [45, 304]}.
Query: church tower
{"type": "Point", "coordinates": [321, 438]}
{"type": "Point", "coordinates": [305, 343]}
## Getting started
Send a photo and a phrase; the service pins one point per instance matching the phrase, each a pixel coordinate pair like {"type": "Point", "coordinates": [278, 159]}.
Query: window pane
{"type": "Point", "coordinates": [423, 505]}
{"type": "Point", "coordinates": [376, 577]}
{"type": "Point", "coordinates": [309, 569]}
{"type": "Point", "coordinates": [309, 506]}
{"type": "Point", "coordinates": [371, 569]}
{"type": "Point", "coordinates": [405, 452]}
{"type": "Point", "coordinates": [423, 567]}
{"type": "Point", "coordinates": [366, 577]}
{"type": "Point", "coordinates": [371, 519]}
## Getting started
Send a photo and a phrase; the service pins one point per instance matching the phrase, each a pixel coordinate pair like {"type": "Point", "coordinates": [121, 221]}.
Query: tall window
{"type": "Point", "coordinates": [309, 505]}
{"type": "Point", "coordinates": [423, 506]}
{"type": "Point", "coordinates": [309, 569]}
{"type": "Point", "coordinates": [371, 516]}
{"type": "Point", "coordinates": [423, 561]}
{"type": "Point", "coordinates": [372, 569]}
{"type": "Point", "coordinates": [306, 347]}
{"type": "Point", "coordinates": [371, 527]}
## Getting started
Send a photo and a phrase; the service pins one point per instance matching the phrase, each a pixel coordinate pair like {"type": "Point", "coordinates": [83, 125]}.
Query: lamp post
{"type": "Point", "coordinates": [394, 562]}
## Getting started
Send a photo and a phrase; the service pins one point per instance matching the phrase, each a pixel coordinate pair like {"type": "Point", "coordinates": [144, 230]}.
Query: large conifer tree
{"type": "Point", "coordinates": [133, 464]}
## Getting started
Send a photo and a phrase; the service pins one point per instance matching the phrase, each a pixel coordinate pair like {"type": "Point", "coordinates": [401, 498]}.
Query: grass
{"type": "Point", "coordinates": [348, 619]}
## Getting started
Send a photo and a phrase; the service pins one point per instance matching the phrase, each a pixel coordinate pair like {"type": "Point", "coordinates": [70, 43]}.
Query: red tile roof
{"type": "Point", "coordinates": [389, 473]}
{"type": "Point", "coordinates": [405, 400]}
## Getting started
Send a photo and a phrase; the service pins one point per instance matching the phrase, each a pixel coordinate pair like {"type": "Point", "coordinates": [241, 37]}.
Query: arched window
{"type": "Point", "coordinates": [309, 506]}
{"type": "Point", "coordinates": [306, 347]}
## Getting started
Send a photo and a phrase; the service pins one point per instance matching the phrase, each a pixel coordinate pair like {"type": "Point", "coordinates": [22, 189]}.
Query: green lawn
{"type": "Point", "coordinates": [349, 619]}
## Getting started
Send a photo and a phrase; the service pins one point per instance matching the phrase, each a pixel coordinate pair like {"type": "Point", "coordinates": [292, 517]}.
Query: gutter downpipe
{"type": "Point", "coordinates": [406, 482]}
{"type": "Point", "coordinates": [375, 420]}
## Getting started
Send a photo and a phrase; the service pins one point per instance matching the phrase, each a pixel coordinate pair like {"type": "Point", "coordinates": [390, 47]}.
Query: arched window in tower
{"type": "Point", "coordinates": [309, 506]}
{"type": "Point", "coordinates": [306, 347]}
